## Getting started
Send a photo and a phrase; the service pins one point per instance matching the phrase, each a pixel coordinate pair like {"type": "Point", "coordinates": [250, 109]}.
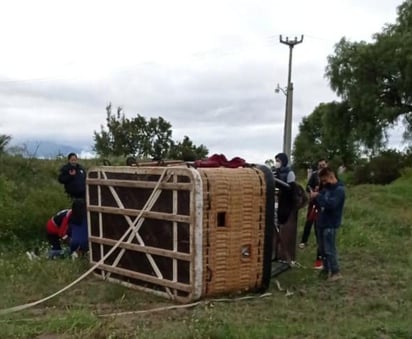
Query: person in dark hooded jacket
{"type": "Point", "coordinates": [284, 241]}
{"type": "Point", "coordinates": [282, 171]}
{"type": "Point", "coordinates": [73, 177]}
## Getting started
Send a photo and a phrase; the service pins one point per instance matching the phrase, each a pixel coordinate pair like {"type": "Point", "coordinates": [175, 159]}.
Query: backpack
{"type": "Point", "coordinates": [300, 196]}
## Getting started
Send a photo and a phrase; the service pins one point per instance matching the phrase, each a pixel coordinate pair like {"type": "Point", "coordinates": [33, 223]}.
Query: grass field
{"type": "Point", "coordinates": [373, 300]}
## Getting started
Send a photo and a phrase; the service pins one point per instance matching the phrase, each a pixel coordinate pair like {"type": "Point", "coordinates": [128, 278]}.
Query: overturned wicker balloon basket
{"type": "Point", "coordinates": [181, 232]}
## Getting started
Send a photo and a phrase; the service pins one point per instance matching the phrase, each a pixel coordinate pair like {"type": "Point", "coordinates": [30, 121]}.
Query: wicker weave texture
{"type": "Point", "coordinates": [233, 229]}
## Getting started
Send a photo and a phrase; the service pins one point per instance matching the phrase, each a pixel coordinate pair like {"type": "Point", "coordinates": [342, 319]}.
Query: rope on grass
{"type": "Point", "coordinates": [296, 264]}
{"type": "Point", "coordinates": [165, 308]}
{"type": "Point", "coordinates": [84, 275]}
{"type": "Point", "coordinates": [287, 292]}
{"type": "Point", "coordinates": [115, 246]}
{"type": "Point", "coordinates": [175, 307]}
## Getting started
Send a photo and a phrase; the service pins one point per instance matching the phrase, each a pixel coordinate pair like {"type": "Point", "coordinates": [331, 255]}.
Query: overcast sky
{"type": "Point", "coordinates": [208, 67]}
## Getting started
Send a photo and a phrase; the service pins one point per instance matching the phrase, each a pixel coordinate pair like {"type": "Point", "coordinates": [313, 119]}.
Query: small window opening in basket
{"type": "Point", "coordinates": [246, 252]}
{"type": "Point", "coordinates": [221, 219]}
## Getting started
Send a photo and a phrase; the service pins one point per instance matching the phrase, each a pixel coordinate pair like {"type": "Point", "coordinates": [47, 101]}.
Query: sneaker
{"type": "Point", "coordinates": [32, 256]}
{"type": "Point", "coordinates": [74, 255]}
{"type": "Point", "coordinates": [29, 255]}
{"type": "Point", "coordinates": [54, 254]}
{"type": "Point", "coordinates": [302, 245]}
{"type": "Point", "coordinates": [335, 277]}
{"type": "Point", "coordinates": [318, 265]}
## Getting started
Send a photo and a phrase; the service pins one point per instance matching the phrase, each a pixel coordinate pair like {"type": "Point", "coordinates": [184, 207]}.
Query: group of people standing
{"type": "Point", "coordinates": [69, 225]}
{"type": "Point", "coordinates": [326, 200]}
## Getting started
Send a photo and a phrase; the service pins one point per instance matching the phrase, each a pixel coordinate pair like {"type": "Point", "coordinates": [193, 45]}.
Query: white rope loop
{"type": "Point", "coordinates": [84, 275]}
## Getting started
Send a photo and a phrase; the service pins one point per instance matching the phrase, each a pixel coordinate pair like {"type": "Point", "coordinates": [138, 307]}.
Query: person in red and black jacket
{"type": "Point", "coordinates": [64, 226]}
{"type": "Point", "coordinates": [57, 229]}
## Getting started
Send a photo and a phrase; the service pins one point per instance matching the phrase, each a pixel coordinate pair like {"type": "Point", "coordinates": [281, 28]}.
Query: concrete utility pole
{"type": "Point", "coordinates": [287, 132]}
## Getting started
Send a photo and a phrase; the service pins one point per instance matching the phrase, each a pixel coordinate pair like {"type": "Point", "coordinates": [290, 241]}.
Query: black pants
{"type": "Point", "coordinates": [308, 224]}
{"type": "Point", "coordinates": [306, 233]}
{"type": "Point", "coordinates": [54, 241]}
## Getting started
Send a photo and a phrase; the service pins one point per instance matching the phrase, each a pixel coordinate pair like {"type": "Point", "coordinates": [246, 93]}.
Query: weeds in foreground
{"type": "Point", "coordinates": [373, 300]}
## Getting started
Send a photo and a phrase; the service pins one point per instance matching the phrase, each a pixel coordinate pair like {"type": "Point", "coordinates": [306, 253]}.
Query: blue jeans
{"type": "Point", "coordinates": [80, 238]}
{"type": "Point", "coordinates": [330, 261]}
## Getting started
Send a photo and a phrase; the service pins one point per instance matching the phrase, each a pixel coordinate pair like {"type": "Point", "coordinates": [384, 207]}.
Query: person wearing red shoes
{"type": "Point", "coordinates": [330, 201]}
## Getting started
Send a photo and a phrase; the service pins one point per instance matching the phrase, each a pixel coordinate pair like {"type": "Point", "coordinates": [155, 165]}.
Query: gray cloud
{"type": "Point", "coordinates": [211, 73]}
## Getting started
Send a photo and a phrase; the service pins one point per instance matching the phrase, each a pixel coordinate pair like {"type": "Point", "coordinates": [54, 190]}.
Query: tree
{"type": "Point", "coordinates": [187, 151]}
{"type": "Point", "coordinates": [142, 138]}
{"type": "Point", "coordinates": [375, 79]}
{"type": "Point", "coordinates": [4, 141]}
{"type": "Point", "coordinates": [326, 133]}
{"type": "Point", "coordinates": [158, 138]}
{"type": "Point", "coordinates": [133, 137]}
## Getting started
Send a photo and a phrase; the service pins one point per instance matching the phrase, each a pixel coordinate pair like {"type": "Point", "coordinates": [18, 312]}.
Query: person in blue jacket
{"type": "Point", "coordinates": [330, 200]}
{"type": "Point", "coordinates": [73, 176]}
{"type": "Point", "coordinates": [79, 242]}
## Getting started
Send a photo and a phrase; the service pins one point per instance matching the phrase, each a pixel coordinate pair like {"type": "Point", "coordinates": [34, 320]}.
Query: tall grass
{"type": "Point", "coordinates": [29, 195]}
{"type": "Point", "coordinates": [374, 299]}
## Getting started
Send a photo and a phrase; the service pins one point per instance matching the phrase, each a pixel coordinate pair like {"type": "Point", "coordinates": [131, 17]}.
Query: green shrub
{"type": "Point", "coordinates": [29, 195]}
{"type": "Point", "coordinates": [347, 177]}
{"type": "Point", "coordinates": [407, 158]}
{"type": "Point", "coordinates": [382, 169]}
{"type": "Point", "coordinates": [7, 211]}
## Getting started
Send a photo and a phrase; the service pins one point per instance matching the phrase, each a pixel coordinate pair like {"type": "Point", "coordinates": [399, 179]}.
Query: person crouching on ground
{"type": "Point", "coordinates": [79, 243]}
{"type": "Point", "coordinates": [67, 226]}
{"type": "Point", "coordinates": [330, 200]}
{"type": "Point", "coordinates": [57, 230]}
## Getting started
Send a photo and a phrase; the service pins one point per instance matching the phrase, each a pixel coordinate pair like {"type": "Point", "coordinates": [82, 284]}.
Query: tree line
{"type": "Point", "coordinates": [143, 138]}
{"type": "Point", "coordinates": [374, 83]}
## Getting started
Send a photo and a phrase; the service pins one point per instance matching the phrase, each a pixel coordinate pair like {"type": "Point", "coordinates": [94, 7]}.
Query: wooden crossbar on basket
{"type": "Point", "coordinates": [201, 232]}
